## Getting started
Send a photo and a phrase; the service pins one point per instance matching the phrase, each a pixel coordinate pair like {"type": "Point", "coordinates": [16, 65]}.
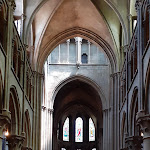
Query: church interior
{"type": "Point", "coordinates": [74, 75]}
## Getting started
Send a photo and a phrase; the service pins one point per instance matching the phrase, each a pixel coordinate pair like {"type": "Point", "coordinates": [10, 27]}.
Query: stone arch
{"type": "Point", "coordinates": [110, 3]}
{"type": "Point", "coordinates": [73, 32]}
{"type": "Point", "coordinates": [133, 111]}
{"type": "Point", "coordinates": [123, 129]}
{"type": "Point", "coordinates": [27, 128]}
{"type": "Point", "coordinates": [147, 90]}
{"type": "Point", "coordinates": [83, 79]}
{"type": "Point", "coordinates": [1, 92]}
{"type": "Point", "coordinates": [14, 108]}
{"type": "Point", "coordinates": [3, 23]}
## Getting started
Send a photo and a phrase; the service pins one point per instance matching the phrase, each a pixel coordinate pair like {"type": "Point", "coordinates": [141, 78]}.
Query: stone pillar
{"type": "Point", "coordinates": [134, 142]}
{"type": "Point", "coordinates": [115, 109]}
{"type": "Point", "coordinates": [78, 49]}
{"type": "Point", "coordinates": [149, 17]}
{"type": "Point", "coordinates": [138, 6]}
{"type": "Point", "coordinates": [89, 56]}
{"type": "Point", "coordinates": [144, 121]}
{"type": "Point", "coordinates": [51, 128]}
{"type": "Point", "coordinates": [59, 54]}
{"type": "Point", "coordinates": [11, 8]}
{"type": "Point", "coordinates": [23, 17]}
{"type": "Point", "coordinates": [68, 43]}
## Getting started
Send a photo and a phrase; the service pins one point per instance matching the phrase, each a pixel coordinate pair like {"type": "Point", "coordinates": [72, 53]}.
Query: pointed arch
{"type": "Point", "coordinates": [14, 108]}
{"type": "Point", "coordinates": [123, 129]}
{"type": "Point", "coordinates": [133, 111]}
{"type": "Point", "coordinates": [1, 92]}
{"type": "Point", "coordinates": [83, 79]}
{"type": "Point", "coordinates": [147, 89]}
{"type": "Point", "coordinates": [27, 128]}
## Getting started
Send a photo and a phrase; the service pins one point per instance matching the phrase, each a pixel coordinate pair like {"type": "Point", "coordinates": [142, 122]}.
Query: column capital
{"type": "Point", "coordinates": [16, 141]}
{"type": "Point", "coordinates": [50, 110]}
{"type": "Point", "coordinates": [129, 17]}
{"type": "Point", "coordinates": [23, 16]}
{"type": "Point", "coordinates": [89, 42]}
{"type": "Point", "coordinates": [115, 74]}
{"type": "Point", "coordinates": [68, 41]}
{"type": "Point", "coordinates": [134, 142]}
{"type": "Point", "coordinates": [5, 121]}
{"type": "Point", "coordinates": [125, 48]}
{"type": "Point", "coordinates": [78, 39]}
{"type": "Point", "coordinates": [138, 4]}
{"type": "Point", "coordinates": [26, 148]}
{"type": "Point", "coordinates": [144, 121]}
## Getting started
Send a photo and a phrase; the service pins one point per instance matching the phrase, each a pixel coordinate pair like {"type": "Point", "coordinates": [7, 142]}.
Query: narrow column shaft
{"type": "Point", "coordinates": [78, 48]}
{"type": "Point", "coordinates": [89, 56]}
{"type": "Point", "coordinates": [68, 44]}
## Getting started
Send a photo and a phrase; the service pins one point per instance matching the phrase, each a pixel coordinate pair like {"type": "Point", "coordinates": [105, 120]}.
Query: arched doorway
{"type": "Point", "coordinates": [78, 122]}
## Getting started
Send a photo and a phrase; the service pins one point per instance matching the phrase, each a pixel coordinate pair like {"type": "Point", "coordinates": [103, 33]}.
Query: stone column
{"type": "Point", "coordinates": [89, 56]}
{"type": "Point", "coordinates": [144, 121]}
{"type": "Point", "coordinates": [68, 43]}
{"type": "Point", "coordinates": [51, 128]}
{"type": "Point", "coordinates": [23, 17]}
{"type": "Point", "coordinates": [59, 54]}
{"type": "Point", "coordinates": [138, 6]}
{"type": "Point", "coordinates": [11, 8]}
{"type": "Point", "coordinates": [78, 49]}
{"type": "Point", "coordinates": [149, 17]}
{"type": "Point", "coordinates": [134, 142]}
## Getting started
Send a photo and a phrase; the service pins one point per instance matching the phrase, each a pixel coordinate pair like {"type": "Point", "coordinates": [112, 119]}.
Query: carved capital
{"type": "Point", "coordinates": [1, 5]}
{"type": "Point", "coordinates": [26, 148]}
{"type": "Point", "coordinates": [23, 16]}
{"type": "Point", "coordinates": [143, 120]}
{"type": "Point", "coordinates": [4, 121]}
{"type": "Point", "coordinates": [15, 141]}
{"type": "Point", "coordinates": [138, 4]}
{"type": "Point", "coordinates": [134, 142]}
{"type": "Point", "coordinates": [13, 4]}
{"type": "Point", "coordinates": [68, 41]}
{"type": "Point", "coordinates": [50, 111]}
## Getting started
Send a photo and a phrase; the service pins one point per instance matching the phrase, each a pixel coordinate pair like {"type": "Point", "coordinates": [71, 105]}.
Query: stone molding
{"type": "Point", "coordinates": [134, 142]}
{"type": "Point", "coordinates": [26, 148]}
{"type": "Point", "coordinates": [143, 120]}
{"type": "Point", "coordinates": [5, 120]}
{"type": "Point", "coordinates": [15, 141]}
{"type": "Point", "coordinates": [138, 4]}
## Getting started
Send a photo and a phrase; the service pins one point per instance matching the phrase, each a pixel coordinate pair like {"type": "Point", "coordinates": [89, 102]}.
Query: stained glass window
{"type": "Point", "coordinates": [91, 130]}
{"type": "Point", "coordinates": [66, 130]}
{"type": "Point", "coordinates": [79, 130]}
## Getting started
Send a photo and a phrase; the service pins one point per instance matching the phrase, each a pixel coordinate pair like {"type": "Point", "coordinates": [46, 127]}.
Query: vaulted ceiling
{"type": "Point", "coordinates": [50, 19]}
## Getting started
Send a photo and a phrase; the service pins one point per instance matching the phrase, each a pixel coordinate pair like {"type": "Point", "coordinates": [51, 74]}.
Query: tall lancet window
{"type": "Point", "coordinates": [79, 130]}
{"type": "Point", "coordinates": [66, 130]}
{"type": "Point", "coordinates": [91, 130]}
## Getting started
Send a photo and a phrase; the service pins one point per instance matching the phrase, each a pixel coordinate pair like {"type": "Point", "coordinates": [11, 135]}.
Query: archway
{"type": "Point", "coordinates": [75, 100]}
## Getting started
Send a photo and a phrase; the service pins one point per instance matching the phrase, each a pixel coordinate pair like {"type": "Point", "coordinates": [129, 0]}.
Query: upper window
{"type": "Point", "coordinates": [79, 130]}
{"type": "Point", "coordinates": [84, 58]}
{"type": "Point", "coordinates": [66, 130]}
{"type": "Point", "coordinates": [91, 130]}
